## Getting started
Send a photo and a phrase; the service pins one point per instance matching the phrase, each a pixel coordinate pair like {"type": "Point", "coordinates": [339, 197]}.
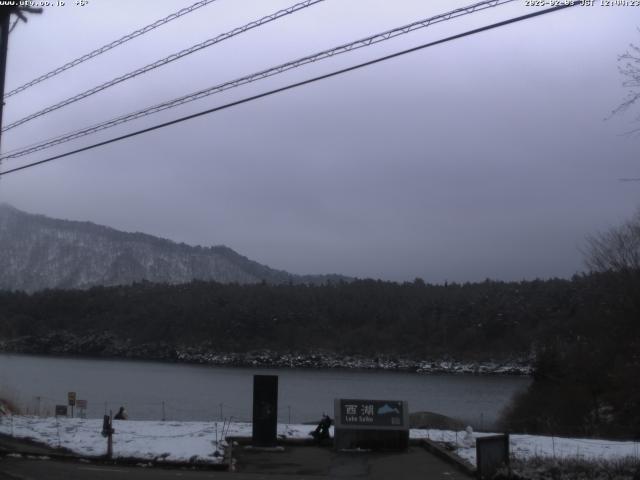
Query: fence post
{"type": "Point", "coordinates": [553, 438]}
{"type": "Point", "coordinates": [163, 415]}
{"type": "Point", "coordinates": [110, 437]}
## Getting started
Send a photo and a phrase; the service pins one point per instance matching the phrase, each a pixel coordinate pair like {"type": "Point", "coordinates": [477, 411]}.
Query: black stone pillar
{"type": "Point", "coordinates": [265, 410]}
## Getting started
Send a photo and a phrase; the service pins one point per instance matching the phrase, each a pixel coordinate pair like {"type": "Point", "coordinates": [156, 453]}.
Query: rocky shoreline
{"type": "Point", "coordinates": [107, 345]}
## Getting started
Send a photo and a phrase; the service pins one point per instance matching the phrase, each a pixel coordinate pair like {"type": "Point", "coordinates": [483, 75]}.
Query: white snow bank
{"type": "Point", "coordinates": [199, 441]}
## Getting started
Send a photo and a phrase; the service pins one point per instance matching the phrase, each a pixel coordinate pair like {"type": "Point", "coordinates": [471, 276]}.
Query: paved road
{"type": "Point", "coordinates": [35, 469]}
{"type": "Point", "coordinates": [10, 444]}
{"type": "Point", "coordinates": [293, 464]}
{"type": "Point", "coordinates": [316, 462]}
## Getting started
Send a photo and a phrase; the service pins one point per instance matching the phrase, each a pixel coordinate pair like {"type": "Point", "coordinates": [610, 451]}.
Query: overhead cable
{"type": "Point", "coordinates": [294, 85]}
{"type": "Point", "coordinates": [332, 52]}
{"type": "Point", "coordinates": [164, 61]}
{"type": "Point", "coordinates": [109, 46]}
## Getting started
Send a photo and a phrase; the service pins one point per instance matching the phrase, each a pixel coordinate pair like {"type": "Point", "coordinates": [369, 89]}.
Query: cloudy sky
{"type": "Point", "coordinates": [487, 156]}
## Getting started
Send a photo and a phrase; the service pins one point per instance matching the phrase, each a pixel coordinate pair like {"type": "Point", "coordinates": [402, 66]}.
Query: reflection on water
{"type": "Point", "coordinates": [151, 390]}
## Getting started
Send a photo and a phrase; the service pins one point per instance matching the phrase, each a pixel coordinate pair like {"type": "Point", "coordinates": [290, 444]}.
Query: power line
{"type": "Point", "coordinates": [109, 46]}
{"type": "Point", "coordinates": [164, 61]}
{"type": "Point", "coordinates": [295, 85]}
{"type": "Point", "coordinates": [363, 42]}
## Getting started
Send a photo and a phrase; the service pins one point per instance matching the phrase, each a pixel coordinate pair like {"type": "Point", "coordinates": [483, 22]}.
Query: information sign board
{"type": "Point", "coordinates": [371, 424]}
{"type": "Point", "coordinates": [61, 410]}
{"type": "Point", "coordinates": [378, 413]}
{"type": "Point", "coordinates": [72, 398]}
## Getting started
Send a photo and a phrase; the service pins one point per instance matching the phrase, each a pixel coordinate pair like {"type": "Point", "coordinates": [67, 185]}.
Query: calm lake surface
{"type": "Point", "coordinates": [194, 392]}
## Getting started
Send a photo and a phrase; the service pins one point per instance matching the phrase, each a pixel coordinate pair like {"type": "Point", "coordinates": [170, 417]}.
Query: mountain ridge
{"type": "Point", "coordinates": [39, 252]}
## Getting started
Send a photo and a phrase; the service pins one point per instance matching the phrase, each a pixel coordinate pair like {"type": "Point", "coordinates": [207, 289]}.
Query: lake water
{"type": "Point", "coordinates": [150, 390]}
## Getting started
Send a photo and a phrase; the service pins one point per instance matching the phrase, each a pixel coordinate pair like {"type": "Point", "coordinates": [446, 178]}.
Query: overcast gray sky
{"type": "Point", "coordinates": [484, 157]}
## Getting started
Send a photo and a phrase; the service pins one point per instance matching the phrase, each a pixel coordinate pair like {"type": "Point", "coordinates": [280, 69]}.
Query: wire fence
{"type": "Point", "coordinates": [163, 410]}
{"type": "Point", "coordinates": [44, 406]}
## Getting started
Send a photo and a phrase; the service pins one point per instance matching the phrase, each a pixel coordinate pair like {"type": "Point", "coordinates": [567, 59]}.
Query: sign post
{"type": "Point", "coordinates": [108, 431]}
{"type": "Point", "coordinates": [71, 396]}
{"type": "Point", "coordinates": [371, 424]}
{"type": "Point", "coordinates": [61, 410]}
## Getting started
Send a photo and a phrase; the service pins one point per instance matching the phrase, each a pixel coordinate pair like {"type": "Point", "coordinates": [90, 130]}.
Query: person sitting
{"type": "Point", "coordinates": [122, 414]}
{"type": "Point", "coordinates": [322, 430]}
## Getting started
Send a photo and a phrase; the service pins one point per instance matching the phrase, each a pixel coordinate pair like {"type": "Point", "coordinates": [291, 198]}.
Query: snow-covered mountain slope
{"type": "Point", "coordinates": [37, 252]}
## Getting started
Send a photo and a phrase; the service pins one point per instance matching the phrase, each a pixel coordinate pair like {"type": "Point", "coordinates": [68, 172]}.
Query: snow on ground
{"type": "Point", "coordinates": [146, 440]}
{"type": "Point", "coordinates": [528, 446]}
{"type": "Point", "coordinates": [202, 441]}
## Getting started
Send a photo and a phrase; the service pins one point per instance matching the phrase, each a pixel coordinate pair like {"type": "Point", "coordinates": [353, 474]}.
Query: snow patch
{"type": "Point", "coordinates": [203, 442]}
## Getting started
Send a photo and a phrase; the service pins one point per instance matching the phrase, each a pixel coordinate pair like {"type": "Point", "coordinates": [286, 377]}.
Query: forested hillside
{"type": "Point", "coordinates": [583, 332]}
{"type": "Point", "coordinates": [477, 320]}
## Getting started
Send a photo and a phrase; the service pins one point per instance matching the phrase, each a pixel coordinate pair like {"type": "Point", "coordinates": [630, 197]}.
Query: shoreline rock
{"type": "Point", "coordinates": [107, 345]}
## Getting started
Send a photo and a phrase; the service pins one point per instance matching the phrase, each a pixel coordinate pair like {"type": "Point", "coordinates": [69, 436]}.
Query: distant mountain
{"type": "Point", "coordinates": [38, 252]}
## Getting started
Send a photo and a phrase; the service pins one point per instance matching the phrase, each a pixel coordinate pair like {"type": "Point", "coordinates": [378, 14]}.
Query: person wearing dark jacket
{"type": "Point", "coordinates": [322, 430]}
{"type": "Point", "coordinates": [122, 414]}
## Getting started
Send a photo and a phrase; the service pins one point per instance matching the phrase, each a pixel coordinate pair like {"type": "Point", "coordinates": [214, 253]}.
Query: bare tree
{"type": "Point", "coordinates": [629, 68]}
{"type": "Point", "coordinates": [617, 249]}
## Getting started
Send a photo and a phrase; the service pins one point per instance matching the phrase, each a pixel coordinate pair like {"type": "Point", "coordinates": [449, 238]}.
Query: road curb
{"type": "Point", "coordinates": [447, 456]}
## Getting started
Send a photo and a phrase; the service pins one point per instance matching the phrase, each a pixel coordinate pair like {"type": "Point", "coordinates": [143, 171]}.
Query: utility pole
{"type": "Point", "coordinates": [4, 41]}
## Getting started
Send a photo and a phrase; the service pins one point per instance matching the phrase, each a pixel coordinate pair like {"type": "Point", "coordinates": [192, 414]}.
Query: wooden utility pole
{"type": "Point", "coordinates": [4, 41]}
